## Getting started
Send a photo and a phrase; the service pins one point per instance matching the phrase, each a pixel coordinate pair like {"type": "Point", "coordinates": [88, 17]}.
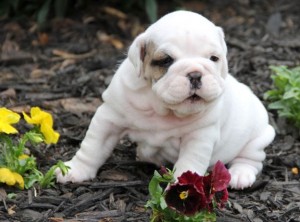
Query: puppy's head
{"type": "Point", "coordinates": [183, 57]}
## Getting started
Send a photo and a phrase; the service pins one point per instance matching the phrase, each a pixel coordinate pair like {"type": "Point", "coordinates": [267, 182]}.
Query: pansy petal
{"type": "Point", "coordinates": [37, 116]}
{"type": "Point", "coordinates": [50, 135]}
{"type": "Point", "coordinates": [8, 117]}
{"type": "Point", "coordinates": [28, 119]}
{"type": "Point", "coordinates": [19, 180]}
{"type": "Point", "coordinates": [6, 176]}
{"type": "Point", "coordinates": [220, 177]}
{"type": "Point", "coordinates": [48, 120]}
{"type": "Point", "coordinates": [12, 117]}
{"type": "Point", "coordinates": [191, 178]}
{"type": "Point", "coordinates": [8, 129]}
{"type": "Point", "coordinates": [41, 115]}
{"type": "Point", "coordinates": [37, 112]}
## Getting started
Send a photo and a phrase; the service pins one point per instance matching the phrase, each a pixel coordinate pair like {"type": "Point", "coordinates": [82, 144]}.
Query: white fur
{"type": "Point", "coordinates": [229, 123]}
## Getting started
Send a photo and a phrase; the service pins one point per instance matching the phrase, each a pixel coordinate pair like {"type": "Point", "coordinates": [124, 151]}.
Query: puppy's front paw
{"type": "Point", "coordinates": [242, 176]}
{"type": "Point", "coordinates": [77, 173]}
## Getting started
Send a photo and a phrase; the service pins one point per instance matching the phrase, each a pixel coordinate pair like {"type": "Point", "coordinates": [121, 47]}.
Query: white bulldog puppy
{"type": "Point", "coordinates": [173, 95]}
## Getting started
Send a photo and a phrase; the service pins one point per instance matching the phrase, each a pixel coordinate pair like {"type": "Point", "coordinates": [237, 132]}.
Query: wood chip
{"type": "Point", "coordinates": [114, 175]}
{"type": "Point", "coordinates": [238, 207]}
{"type": "Point", "coordinates": [77, 105]}
{"type": "Point", "coordinates": [9, 93]}
{"type": "Point", "coordinates": [11, 210]}
{"type": "Point", "coordinates": [105, 38]}
{"type": "Point", "coordinates": [114, 12]}
{"type": "Point", "coordinates": [265, 195]}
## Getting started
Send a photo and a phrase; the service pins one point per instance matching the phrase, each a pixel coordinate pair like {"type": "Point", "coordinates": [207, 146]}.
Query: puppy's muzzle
{"type": "Point", "coordinates": [195, 80]}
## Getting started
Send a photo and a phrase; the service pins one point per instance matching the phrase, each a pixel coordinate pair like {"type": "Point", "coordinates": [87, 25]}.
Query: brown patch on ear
{"type": "Point", "coordinates": [143, 52]}
{"type": "Point", "coordinates": [151, 72]}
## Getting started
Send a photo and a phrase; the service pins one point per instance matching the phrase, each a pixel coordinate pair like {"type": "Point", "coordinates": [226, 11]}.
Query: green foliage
{"type": "Point", "coordinates": [48, 179]}
{"type": "Point", "coordinates": [17, 167]}
{"type": "Point", "coordinates": [151, 9]}
{"type": "Point", "coordinates": [44, 180]}
{"type": "Point", "coordinates": [10, 153]}
{"type": "Point", "coordinates": [12, 156]}
{"type": "Point", "coordinates": [285, 95]}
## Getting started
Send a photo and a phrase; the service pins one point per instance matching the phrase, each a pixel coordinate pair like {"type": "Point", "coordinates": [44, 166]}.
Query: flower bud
{"type": "Point", "coordinates": [35, 137]}
{"type": "Point", "coordinates": [163, 170]}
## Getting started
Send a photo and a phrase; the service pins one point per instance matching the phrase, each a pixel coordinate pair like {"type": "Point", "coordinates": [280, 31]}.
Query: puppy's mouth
{"type": "Point", "coordinates": [194, 98]}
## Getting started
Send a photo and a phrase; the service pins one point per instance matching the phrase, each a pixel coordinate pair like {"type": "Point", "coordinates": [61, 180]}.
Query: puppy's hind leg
{"type": "Point", "coordinates": [248, 163]}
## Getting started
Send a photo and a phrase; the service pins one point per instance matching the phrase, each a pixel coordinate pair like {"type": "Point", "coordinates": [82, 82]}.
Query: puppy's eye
{"type": "Point", "coordinates": [214, 58]}
{"type": "Point", "coordinates": [164, 62]}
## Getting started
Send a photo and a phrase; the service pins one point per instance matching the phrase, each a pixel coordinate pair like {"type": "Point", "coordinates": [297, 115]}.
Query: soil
{"type": "Point", "coordinates": [66, 68]}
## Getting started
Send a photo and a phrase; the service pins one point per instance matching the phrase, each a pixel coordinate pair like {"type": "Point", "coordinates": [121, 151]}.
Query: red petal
{"type": "Point", "coordinates": [220, 177]}
{"type": "Point", "coordinates": [186, 178]}
{"type": "Point", "coordinates": [195, 179]}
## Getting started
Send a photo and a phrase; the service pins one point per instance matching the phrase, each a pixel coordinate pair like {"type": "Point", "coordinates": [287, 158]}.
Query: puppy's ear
{"type": "Point", "coordinates": [224, 59]}
{"type": "Point", "coordinates": [137, 53]}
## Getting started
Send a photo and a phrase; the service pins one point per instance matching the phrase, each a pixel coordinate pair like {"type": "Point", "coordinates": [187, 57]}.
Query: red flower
{"type": "Point", "coordinates": [187, 196]}
{"type": "Point", "coordinates": [193, 193]}
{"type": "Point", "coordinates": [215, 184]}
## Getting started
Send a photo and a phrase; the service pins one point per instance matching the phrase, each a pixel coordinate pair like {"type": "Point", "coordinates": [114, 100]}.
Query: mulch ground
{"type": "Point", "coordinates": [65, 70]}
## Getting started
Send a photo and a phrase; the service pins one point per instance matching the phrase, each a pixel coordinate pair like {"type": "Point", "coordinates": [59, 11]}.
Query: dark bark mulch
{"type": "Point", "coordinates": [65, 71]}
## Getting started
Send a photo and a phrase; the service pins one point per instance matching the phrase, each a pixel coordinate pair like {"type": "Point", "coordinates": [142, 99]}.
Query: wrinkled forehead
{"type": "Point", "coordinates": [187, 42]}
{"type": "Point", "coordinates": [185, 35]}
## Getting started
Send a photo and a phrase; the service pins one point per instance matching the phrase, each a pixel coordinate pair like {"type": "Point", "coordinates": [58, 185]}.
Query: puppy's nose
{"type": "Point", "coordinates": [195, 79]}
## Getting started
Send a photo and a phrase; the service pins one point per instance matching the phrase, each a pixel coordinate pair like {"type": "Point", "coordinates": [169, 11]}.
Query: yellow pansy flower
{"type": "Point", "coordinates": [45, 121]}
{"type": "Point", "coordinates": [50, 135]}
{"type": "Point", "coordinates": [38, 116]}
{"type": "Point", "coordinates": [11, 178]}
{"type": "Point", "coordinates": [8, 117]}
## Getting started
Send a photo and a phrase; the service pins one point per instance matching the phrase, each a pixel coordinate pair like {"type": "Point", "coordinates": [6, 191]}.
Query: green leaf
{"type": "Point", "coordinates": [64, 168]}
{"type": "Point", "coordinates": [292, 94]}
{"type": "Point", "coordinates": [33, 177]}
{"type": "Point", "coordinates": [43, 13]}
{"type": "Point", "coordinates": [155, 189]}
{"type": "Point", "coordinates": [285, 95]}
{"type": "Point", "coordinates": [11, 196]}
{"type": "Point", "coordinates": [277, 105]}
{"type": "Point", "coordinates": [163, 204]}
{"type": "Point", "coordinates": [34, 137]}
{"type": "Point", "coordinates": [151, 9]}
{"type": "Point", "coordinates": [48, 179]}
